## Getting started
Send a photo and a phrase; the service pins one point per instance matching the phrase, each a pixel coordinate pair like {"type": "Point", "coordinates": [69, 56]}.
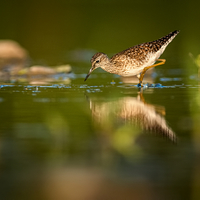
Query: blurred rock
{"type": "Point", "coordinates": [63, 69]}
{"type": "Point", "coordinates": [36, 70]}
{"type": "Point", "coordinates": [42, 75]}
{"type": "Point", "coordinates": [13, 57]}
{"type": "Point", "coordinates": [45, 71]}
{"type": "Point", "coordinates": [14, 66]}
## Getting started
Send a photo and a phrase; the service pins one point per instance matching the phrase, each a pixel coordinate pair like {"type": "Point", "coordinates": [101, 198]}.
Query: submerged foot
{"type": "Point", "coordinates": [150, 85]}
{"type": "Point", "coordinates": [140, 84]}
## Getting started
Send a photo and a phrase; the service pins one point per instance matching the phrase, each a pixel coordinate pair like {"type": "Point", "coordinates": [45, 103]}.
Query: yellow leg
{"type": "Point", "coordinates": [141, 76]}
{"type": "Point", "coordinates": [158, 109]}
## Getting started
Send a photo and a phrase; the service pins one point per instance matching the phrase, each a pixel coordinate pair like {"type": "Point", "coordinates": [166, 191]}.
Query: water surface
{"type": "Point", "coordinates": [104, 136]}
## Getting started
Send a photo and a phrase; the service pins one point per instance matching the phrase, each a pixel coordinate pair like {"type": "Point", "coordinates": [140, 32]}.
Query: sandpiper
{"type": "Point", "coordinates": [135, 60]}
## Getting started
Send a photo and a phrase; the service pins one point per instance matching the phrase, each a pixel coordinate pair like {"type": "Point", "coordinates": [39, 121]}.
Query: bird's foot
{"type": "Point", "coordinates": [140, 84]}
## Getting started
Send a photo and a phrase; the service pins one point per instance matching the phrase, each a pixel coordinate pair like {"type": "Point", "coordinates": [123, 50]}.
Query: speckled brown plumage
{"type": "Point", "coordinates": [140, 51]}
{"type": "Point", "coordinates": [134, 60]}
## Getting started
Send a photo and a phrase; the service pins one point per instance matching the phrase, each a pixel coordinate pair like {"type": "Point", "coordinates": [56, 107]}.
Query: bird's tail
{"type": "Point", "coordinates": [168, 38]}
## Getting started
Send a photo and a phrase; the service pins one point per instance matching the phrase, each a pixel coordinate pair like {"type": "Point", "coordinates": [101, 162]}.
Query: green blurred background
{"type": "Point", "coordinates": [50, 30]}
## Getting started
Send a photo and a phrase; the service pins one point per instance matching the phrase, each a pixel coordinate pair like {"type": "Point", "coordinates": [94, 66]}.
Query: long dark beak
{"type": "Point", "coordinates": [88, 74]}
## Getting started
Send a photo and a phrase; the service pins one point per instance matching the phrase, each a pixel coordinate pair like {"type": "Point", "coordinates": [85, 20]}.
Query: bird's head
{"type": "Point", "coordinates": [98, 60]}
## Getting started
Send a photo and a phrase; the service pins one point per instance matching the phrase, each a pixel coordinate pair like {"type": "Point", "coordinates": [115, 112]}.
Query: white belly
{"type": "Point", "coordinates": [150, 60]}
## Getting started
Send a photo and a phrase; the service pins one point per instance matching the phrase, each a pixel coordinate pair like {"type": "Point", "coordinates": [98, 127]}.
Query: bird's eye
{"type": "Point", "coordinates": [97, 61]}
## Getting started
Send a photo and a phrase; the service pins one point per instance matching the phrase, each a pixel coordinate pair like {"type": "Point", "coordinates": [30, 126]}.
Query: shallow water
{"type": "Point", "coordinates": [104, 137]}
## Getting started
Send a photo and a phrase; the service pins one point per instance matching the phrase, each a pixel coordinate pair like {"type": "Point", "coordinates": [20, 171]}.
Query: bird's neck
{"type": "Point", "coordinates": [108, 66]}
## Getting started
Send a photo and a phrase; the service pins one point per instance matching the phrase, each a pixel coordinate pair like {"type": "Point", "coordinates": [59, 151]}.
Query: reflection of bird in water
{"type": "Point", "coordinates": [135, 60]}
{"type": "Point", "coordinates": [134, 111]}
